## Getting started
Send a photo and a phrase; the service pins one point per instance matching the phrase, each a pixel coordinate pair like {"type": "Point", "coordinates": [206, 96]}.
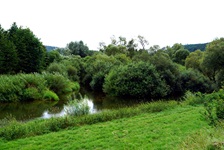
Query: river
{"type": "Point", "coordinates": [46, 109]}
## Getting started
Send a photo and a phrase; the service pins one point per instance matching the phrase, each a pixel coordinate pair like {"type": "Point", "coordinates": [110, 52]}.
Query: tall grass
{"type": "Point", "coordinates": [15, 130]}
{"type": "Point", "coordinates": [210, 139]}
{"type": "Point", "coordinates": [26, 87]}
{"type": "Point", "coordinates": [77, 107]}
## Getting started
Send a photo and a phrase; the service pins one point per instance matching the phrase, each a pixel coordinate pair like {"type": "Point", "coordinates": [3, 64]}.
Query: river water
{"type": "Point", "coordinates": [47, 109]}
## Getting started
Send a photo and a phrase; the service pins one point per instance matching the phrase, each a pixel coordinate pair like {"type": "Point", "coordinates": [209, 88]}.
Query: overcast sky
{"type": "Point", "coordinates": [161, 22]}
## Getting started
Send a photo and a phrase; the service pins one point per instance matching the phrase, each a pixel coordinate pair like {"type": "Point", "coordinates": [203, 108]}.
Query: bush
{"type": "Point", "coordinates": [139, 80]}
{"type": "Point", "coordinates": [193, 98]}
{"type": "Point", "coordinates": [194, 81]}
{"type": "Point", "coordinates": [25, 87]}
{"type": "Point", "coordinates": [56, 68]}
{"type": "Point", "coordinates": [31, 93]}
{"type": "Point", "coordinates": [214, 106]}
{"type": "Point", "coordinates": [59, 84]}
{"type": "Point", "coordinates": [77, 108]}
{"type": "Point", "coordinates": [50, 95]}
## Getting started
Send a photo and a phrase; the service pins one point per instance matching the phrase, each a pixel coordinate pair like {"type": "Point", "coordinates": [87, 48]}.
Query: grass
{"type": "Point", "coordinates": [168, 129]}
{"type": "Point", "coordinates": [14, 130]}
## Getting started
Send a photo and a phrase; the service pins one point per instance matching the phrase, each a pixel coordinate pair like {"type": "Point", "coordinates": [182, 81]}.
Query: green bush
{"type": "Point", "coordinates": [77, 108]}
{"type": "Point", "coordinates": [194, 81]}
{"type": "Point", "coordinates": [139, 80]}
{"type": "Point", "coordinates": [168, 71]}
{"type": "Point", "coordinates": [214, 106]}
{"type": "Point", "coordinates": [50, 95]}
{"type": "Point", "coordinates": [56, 68]}
{"type": "Point", "coordinates": [59, 84]}
{"type": "Point", "coordinates": [31, 93]}
{"type": "Point", "coordinates": [25, 87]}
{"type": "Point", "coordinates": [193, 98]}
{"type": "Point", "coordinates": [98, 66]}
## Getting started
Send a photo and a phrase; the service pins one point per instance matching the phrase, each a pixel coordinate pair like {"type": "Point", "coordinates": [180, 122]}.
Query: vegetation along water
{"type": "Point", "coordinates": [156, 98]}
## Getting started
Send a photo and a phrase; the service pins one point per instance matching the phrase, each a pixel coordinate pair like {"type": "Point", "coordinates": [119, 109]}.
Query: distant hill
{"type": "Point", "coordinates": [50, 48]}
{"type": "Point", "coordinates": [194, 47]}
{"type": "Point", "coordinates": [190, 47]}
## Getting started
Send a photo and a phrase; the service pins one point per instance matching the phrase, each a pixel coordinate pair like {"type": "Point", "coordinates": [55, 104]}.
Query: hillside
{"type": "Point", "coordinates": [194, 47]}
{"type": "Point", "coordinates": [49, 48]}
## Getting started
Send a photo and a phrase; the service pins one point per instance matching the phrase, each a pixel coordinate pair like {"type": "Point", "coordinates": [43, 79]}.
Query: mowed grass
{"type": "Point", "coordinates": [164, 130]}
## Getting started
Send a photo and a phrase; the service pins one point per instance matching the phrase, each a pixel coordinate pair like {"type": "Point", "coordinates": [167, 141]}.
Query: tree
{"type": "Point", "coordinates": [142, 41]}
{"type": "Point", "coordinates": [194, 81]}
{"type": "Point", "coordinates": [172, 50]}
{"type": "Point", "coordinates": [139, 80]}
{"type": "Point", "coordinates": [168, 70]}
{"type": "Point", "coordinates": [214, 58]}
{"type": "Point", "coordinates": [78, 48]}
{"type": "Point", "coordinates": [8, 55]}
{"type": "Point", "coordinates": [154, 48]}
{"type": "Point", "coordinates": [131, 48]}
{"type": "Point", "coordinates": [114, 49]}
{"type": "Point", "coordinates": [52, 56]}
{"type": "Point", "coordinates": [194, 60]}
{"type": "Point", "coordinates": [122, 41]}
{"type": "Point", "coordinates": [180, 56]}
{"type": "Point", "coordinates": [30, 51]}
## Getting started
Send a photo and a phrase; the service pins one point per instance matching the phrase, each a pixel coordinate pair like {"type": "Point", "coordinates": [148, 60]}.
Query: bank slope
{"type": "Point", "coordinates": [163, 130]}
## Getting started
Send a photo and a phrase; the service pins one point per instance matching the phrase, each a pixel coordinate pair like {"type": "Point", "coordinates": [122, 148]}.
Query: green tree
{"type": "Point", "coordinates": [78, 48]}
{"type": "Point", "coordinates": [142, 41]}
{"type": "Point", "coordinates": [139, 80]}
{"type": "Point", "coordinates": [115, 49]}
{"type": "Point", "coordinates": [8, 55]}
{"type": "Point", "coordinates": [52, 56]}
{"type": "Point", "coordinates": [30, 51]}
{"type": "Point", "coordinates": [131, 48]}
{"type": "Point", "coordinates": [98, 66]}
{"type": "Point", "coordinates": [194, 60]}
{"type": "Point", "coordinates": [193, 80]}
{"type": "Point", "coordinates": [180, 56]}
{"type": "Point", "coordinates": [168, 70]}
{"type": "Point", "coordinates": [214, 58]}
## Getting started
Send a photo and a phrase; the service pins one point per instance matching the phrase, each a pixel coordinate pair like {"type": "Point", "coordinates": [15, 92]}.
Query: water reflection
{"type": "Point", "coordinates": [46, 109]}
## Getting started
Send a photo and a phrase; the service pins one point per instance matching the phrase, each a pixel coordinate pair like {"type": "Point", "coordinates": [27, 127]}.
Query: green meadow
{"type": "Point", "coordinates": [173, 128]}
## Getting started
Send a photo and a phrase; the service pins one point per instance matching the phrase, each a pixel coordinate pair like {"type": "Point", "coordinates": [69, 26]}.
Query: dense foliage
{"type": "Point", "coordinates": [135, 80]}
{"type": "Point", "coordinates": [122, 68]}
{"type": "Point", "coordinates": [26, 87]}
{"type": "Point", "coordinates": [21, 51]}
{"type": "Point", "coordinates": [194, 47]}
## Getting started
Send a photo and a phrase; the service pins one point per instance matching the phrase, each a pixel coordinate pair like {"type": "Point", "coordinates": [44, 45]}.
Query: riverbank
{"type": "Point", "coordinates": [171, 128]}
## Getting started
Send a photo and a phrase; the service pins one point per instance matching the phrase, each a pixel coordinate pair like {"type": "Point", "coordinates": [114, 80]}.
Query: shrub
{"type": "Point", "coordinates": [98, 66]}
{"type": "Point", "coordinates": [136, 80]}
{"type": "Point", "coordinates": [195, 81]}
{"type": "Point", "coordinates": [31, 93]}
{"type": "Point", "coordinates": [56, 68]}
{"type": "Point", "coordinates": [77, 108]}
{"type": "Point", "coordinates": [193, 98]}
{"type": "Point", "coordinates": [214, 106]}
{"type": "Point", "coordinates": [59, 84]}
{"type": "Point", "coordinates": [50, 95]}
{"type": "Point", "coordinates": [24, 87]}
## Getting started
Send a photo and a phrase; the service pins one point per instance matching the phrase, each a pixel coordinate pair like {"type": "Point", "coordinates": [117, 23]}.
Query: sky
{"type": "Point", "coordinates": [161, 22]}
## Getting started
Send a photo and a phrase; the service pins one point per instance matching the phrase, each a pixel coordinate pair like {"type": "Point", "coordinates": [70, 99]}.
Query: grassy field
{"type": "Point", "coordinates": [170, 129]}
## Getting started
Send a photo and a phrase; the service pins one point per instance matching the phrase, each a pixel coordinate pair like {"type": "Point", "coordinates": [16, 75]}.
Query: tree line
{"type": "Point", "coordinates": [121, 68]}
